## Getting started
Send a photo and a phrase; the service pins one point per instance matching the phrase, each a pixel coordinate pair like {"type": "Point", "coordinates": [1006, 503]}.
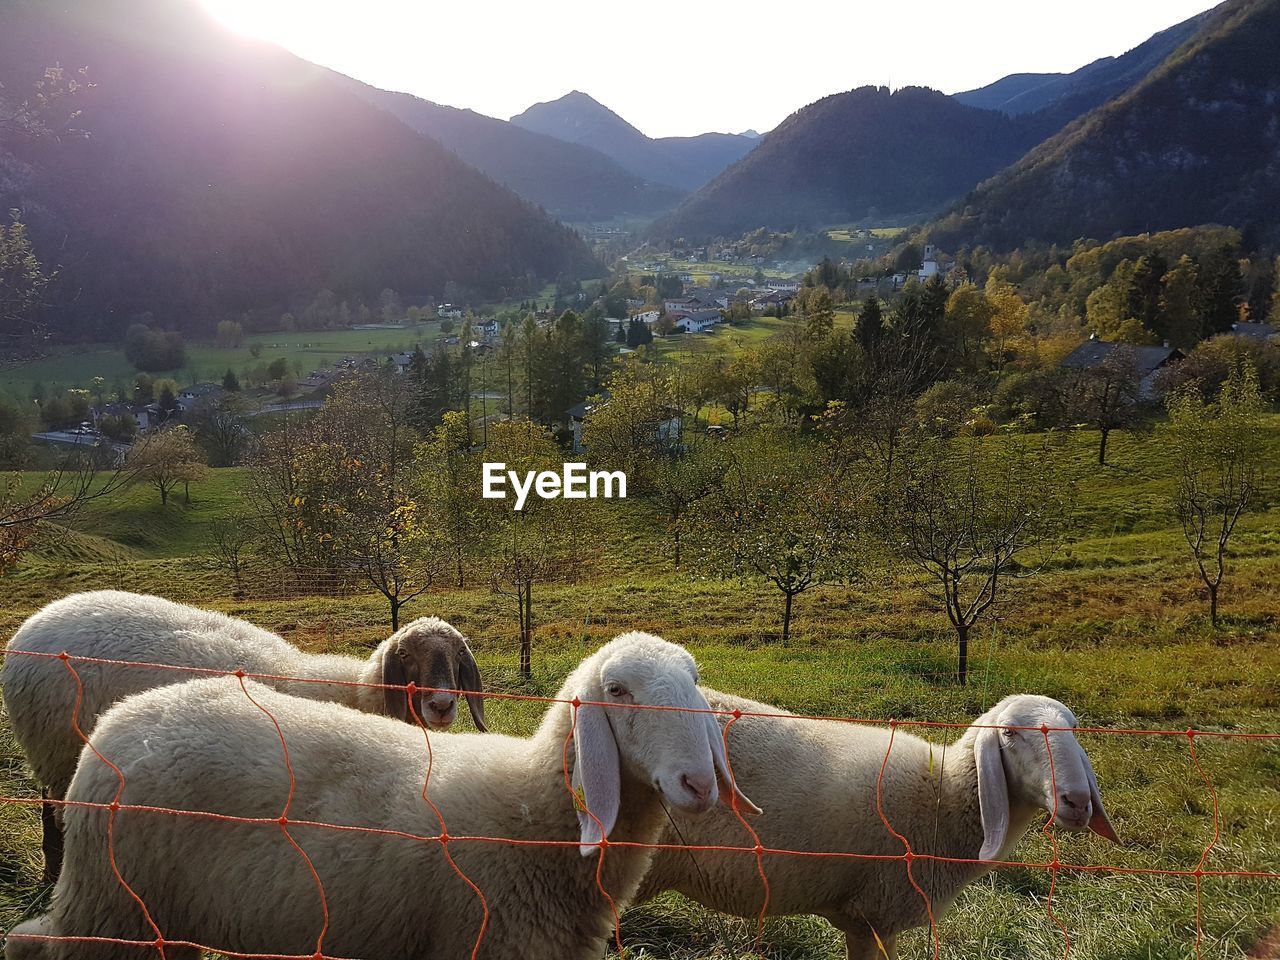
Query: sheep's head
{"type": "Point", "coordinates": [678, 753]}
{"type": "Point", "coordinates": [1021, 765]}
{"type": "Point", "coordinates": [430, 654]}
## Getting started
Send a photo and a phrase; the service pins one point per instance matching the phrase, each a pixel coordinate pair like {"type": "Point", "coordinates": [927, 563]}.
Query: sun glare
{"type": "Point", "coordinates": [263, 19]}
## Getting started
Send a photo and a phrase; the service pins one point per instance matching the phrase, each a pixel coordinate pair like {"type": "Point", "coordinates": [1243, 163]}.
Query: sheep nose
{"type": "Point", "coordinates": [441, 703]}
{"type": "Point", "coordinates": [699, 785]}
{"type": "Point", "coordinates": [1074, 801]}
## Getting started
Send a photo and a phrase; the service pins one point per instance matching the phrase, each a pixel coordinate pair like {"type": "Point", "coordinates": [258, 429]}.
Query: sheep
{"type": "Point", "coordinates": [40, 693]}
{"type": "Point", "coordinates": [206, 746]}
{"type": "Point", "coordinates": [974, 799]}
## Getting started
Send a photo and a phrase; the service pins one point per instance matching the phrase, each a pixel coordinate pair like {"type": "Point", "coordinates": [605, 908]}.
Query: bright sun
{"type": "Point", "coordinates": [264, 19]}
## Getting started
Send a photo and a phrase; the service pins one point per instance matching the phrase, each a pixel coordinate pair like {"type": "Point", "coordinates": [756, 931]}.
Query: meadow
{"type": "Point", "coordinates": [75, 367]}
{"type": "Point", "coordinates": [1116, 627]}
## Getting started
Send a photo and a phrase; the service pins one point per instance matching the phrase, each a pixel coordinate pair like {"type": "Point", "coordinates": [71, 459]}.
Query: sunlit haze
{"type": "Point", "coordinates": [676, 68]}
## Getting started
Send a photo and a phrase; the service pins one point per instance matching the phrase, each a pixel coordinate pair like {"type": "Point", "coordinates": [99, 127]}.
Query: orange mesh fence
{"type": "Point", "coordinates": [752, 846]}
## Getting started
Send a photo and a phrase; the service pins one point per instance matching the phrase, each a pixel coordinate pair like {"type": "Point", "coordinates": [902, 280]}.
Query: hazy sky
{"type": "Point", "coordinates": [676, 68]}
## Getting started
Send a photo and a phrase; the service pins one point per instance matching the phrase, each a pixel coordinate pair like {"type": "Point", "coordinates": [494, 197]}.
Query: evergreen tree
{"type": "Point", "coordinates": [870, 324]}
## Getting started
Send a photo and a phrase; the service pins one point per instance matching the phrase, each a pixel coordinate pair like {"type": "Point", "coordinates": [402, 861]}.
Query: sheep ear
{"type": "Point", "coordinates": [728, 787]}
{"type": "Point", "coordinates": [469, 680]}
{"type": "Point", "coordinates": [396, 701]}
{"type": "Point", "coordinates": [1099, 823]}
{"type": "Point", "coordinates": [993, 793]}
{"type": "Point", "coordinates": [597, 777]}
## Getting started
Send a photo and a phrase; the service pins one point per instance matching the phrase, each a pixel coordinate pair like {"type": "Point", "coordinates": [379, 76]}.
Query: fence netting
{"type": "Point", "coordinates": [752, 849]}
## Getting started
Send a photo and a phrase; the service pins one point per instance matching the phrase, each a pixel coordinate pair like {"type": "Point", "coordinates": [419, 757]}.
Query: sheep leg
{"type": "Point", "coordinates": [861, 944]}
{"type": "Point", "coordinates": [51, 840]}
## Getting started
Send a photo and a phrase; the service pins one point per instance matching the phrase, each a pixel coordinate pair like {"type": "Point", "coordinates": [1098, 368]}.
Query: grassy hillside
{"type": "Point", "coordinates": [1116, 627]}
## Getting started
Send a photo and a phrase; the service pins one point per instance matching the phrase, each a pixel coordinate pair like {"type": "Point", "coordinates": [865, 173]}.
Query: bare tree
{"type": "Point", "coordinates": [543, 542]}
{"type": "Point", "coordinates": [1219, 453]}
{"type": "Point", "coordinates": [1108, 396]}
{"type": "Point", "coordinates": [230, 542]}
{"type": "Point", "coordinates": [969, 512]}
{"type": "Point", "coordinates": [784, 513]}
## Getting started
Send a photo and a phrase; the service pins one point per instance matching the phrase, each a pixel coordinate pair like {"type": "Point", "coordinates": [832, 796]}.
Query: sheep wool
{"type": "Point", "coordinates": [206, 746]}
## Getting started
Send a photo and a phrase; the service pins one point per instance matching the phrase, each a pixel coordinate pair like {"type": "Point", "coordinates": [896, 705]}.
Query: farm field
{"type": "Point", "coordinates": [76, 367]}
{"type": "Point", "coordinates": [1115, 627]}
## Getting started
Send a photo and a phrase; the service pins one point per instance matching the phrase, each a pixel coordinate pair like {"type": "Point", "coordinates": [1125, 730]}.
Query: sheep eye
{"type": "Point", "coordinates": [615, 689]}
{"type": "Point", "coordinates": [1010, 734]}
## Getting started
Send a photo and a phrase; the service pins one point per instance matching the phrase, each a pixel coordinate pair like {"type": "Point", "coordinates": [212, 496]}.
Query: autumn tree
{"type": "Point", "coordinates": [448, 478]}
{"type": "Point", "coordinates": [1219, 453]}
{"type": "Point", "coordinates": [167, 458]}
{"type": "Point", "coordinates": [973, 513]}
{"type": "Point", "coordinates": [1008, 321]}
{"type": "Point", "coordinates": [641, 431]}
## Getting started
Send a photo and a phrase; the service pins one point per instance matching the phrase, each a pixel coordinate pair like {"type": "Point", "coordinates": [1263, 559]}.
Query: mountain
{"type": "Point", "coordinates": [1068, 95]}
{"type": "Point", "coordinates": [226, 176]}
{"type": "Point", "coordinates": [865, 153]}
{"type": "Point", "coordinates": [1197, 141]}
{"type": "Point", "coordinates": [685, 162]}
{"type": "Point", "coordinates": [572, 181]}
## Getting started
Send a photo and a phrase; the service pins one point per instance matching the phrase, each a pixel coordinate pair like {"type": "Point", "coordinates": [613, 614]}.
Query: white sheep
{"type": "Point", "coordinates": [974, 799]}
{"type": "Point", "coordinates": [40, 693]}
{"type": "Point", "coordinates": [205, 746]}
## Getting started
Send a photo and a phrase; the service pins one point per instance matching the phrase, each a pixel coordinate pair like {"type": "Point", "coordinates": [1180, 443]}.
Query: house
{"type": "Point", "coordinates": [780, 286]}
{"type": "Point", "coordinates": [1093, 353]}
{"type": "Point", "coordinates": [193, 394]}
{"type": "Point", "coordinates": [140, 413]}
{"type": "Point", "coordinates": [769, 301]}
{"type": "Point", "coordinates": [447, 311]}
{"type": "Point", "coordinates": [699, 321]}
{"type": "Point", "coordinates": [402, 361]}
{"type": "Point", "coordinates": [648, 317]}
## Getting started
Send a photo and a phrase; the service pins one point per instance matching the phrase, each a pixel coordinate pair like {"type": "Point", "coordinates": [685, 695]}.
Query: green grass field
{"type": "Point", "coordinates": [76, 367]}
{"type": "Point", "coordinates": [1116, 627]}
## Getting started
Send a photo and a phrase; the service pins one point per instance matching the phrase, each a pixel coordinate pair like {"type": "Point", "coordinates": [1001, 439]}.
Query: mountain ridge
{"type": "Point", "coordinates": [225, 176]}
{"type": "Point", "coordinates": [683, 162]}
{"type": "Point", "coordinates": [1194, 142]}
{"type": "Point", "coordinates": [571, 181]}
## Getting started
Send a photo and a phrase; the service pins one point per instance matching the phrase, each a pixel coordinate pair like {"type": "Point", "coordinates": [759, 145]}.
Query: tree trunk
{"type": "Point", "coordinates": [458, 558]}
{"type": "Point", "coordinates": [395, 613]}
{"type": "Point", "coordinates": [962, 632]}
{"type": "Point", "coordinates": [1102, 446]}
{"type": "Point", "coordinates": [526, 632]}
{"type": "Point", "coordinates": [164, 496]}
{"type": "Point", "coordinates": [786, 619]}
{"type": "Point", "coordinates": [1213, 605]}
{"type": "Point", "coordinates": [677, 546]}
{"type": "Point", "coordinates": [186, 491]}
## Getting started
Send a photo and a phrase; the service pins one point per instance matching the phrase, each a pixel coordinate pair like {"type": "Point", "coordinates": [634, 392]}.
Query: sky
{"type": "Point", "coordinates": [678, 68]}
